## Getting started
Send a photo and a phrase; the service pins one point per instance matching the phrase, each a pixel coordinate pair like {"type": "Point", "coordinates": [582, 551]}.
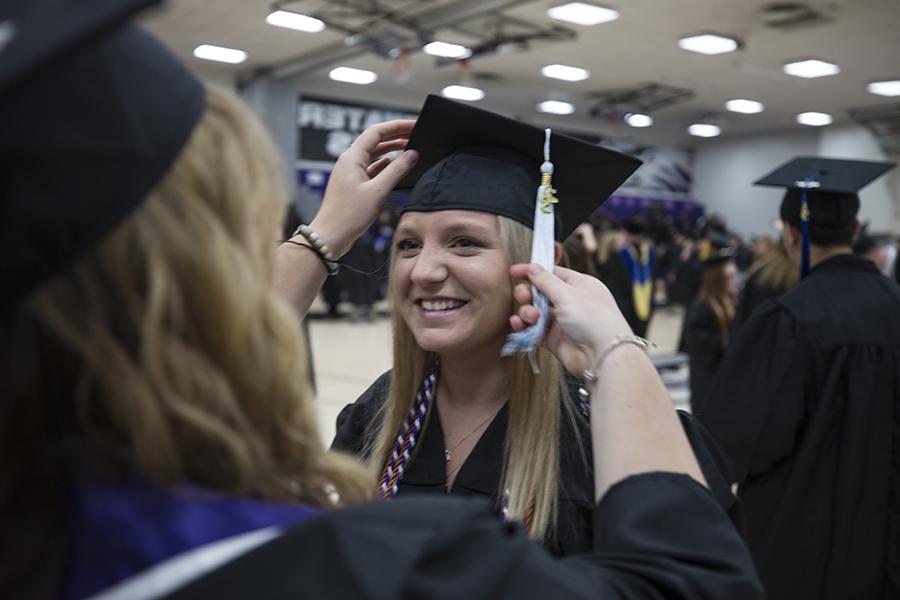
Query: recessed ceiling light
{"type": "Point", "coordinates": [445, 50]}
{"type": "Point", "coordinates": [220, 54]}
{"type": "Point", "coordinates": [463, 92]}
{"type": "Point", "coordinates": [555, 107]}
{"type": "Point", "coordinates": [583, 14]}
{"type": "Point", "coordinates": [351, 75]}
{"type": "Point", "coordinates": [885, 88]}
{"type": "Point", "coordinates": [639, 120]}
{"type": "Point", "coordinates": [748, 107]}
{"type": "Point", "coordinates": [814, 119]}
{"type": "Point", "coordinates": [292, 20]}
{"type": "Point", "coordinates": [704, 130]}
{"type": "Point", "coordinates": [565, 72]}
{"type": "Point", "coordinates": [811, 68]}
{"type": "Point", "coordinates": [708, 43]}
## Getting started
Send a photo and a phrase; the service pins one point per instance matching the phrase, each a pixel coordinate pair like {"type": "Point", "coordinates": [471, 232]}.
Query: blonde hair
{"type": "Point", "coordinates": [776, 271]}
{"type": "Point", "coordinates": [531, 452]}
{"type": "Point", "coordinates": [713, 291]}
{"type": "Point", "coordinates": [164, 352]}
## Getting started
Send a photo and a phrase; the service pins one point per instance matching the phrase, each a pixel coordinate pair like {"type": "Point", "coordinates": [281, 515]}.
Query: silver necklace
{"type": "Point", "coordinates": [448, 452]}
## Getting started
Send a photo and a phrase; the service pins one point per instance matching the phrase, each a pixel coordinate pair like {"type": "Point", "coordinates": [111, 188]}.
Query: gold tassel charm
{"type": "Point", "coordinates": [548, 193]}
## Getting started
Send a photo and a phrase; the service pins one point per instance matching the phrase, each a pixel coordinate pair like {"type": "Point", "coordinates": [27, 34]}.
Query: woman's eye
{"type": "Point", "coordinates": [407, 245]}
{"type": "Point", "coordinates": [466, 243]}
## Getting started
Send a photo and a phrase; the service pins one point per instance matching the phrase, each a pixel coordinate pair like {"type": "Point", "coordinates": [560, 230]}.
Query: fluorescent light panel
{"type": "Point", "coordinates": [581, 13]}
{"type": "Point", "coordinates": [811, 68]}
{"type": "Point", "coordinates": [445, 50]}
{"type": "Point", "coordinates": [220, 54]}
{"type": "Point", "coordinates": [884, 88]}
{"type": "Point", "coordinates": [747, 107]}
{"type": "Point", "coordinates": [351, 75]}
{"type": "Point", "coordinates": [704, 130]}
{"type": "Point", "coordinates": [639, 120]}
{"type": "Point", "coordinates": [565, 72]}
{"type": "Point", "coordinates": [555, 107]}
{"type": "Point", "coordinates": [708, 43]}
{"type": "Point", "coordinates": [462, 92]}
{"type": "Point", "coordinates": [292, 20]}
{"type": "Point", "coordinates": [814, 119]}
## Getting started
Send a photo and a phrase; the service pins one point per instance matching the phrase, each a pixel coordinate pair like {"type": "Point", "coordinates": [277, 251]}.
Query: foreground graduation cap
{"type": "Point", "coordinates": [473, 159]}
{"type": "Point", "coordinates": [93, 111]}
{"type": "Point", "coordinates": [821, 192]}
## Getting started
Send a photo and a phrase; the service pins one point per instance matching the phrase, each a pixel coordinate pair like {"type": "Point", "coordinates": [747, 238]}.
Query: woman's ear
{"type": "Point", "coordinates": [557, 252]}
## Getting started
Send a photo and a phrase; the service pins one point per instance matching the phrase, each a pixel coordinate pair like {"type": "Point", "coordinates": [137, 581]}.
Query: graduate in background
{"type": "Point", "coordinates": [707, 325]}
{"type": "Point", "coordinates": [807, 402]}
{"type": "Point", "coordinates": [629, 275]}
{"type": "Point", "coordinates": [770, 276]}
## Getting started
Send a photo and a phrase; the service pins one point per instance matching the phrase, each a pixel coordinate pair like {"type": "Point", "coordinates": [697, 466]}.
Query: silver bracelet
{"type": "Point", "coordinates": [588, 375]}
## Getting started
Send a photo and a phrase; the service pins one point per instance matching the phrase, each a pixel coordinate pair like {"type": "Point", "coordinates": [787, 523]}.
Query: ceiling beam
{"type": "Point", "coordinates": [437, 18]}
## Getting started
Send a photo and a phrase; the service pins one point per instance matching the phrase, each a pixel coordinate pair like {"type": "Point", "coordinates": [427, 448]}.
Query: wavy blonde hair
{"type": "Point", "coordinates": [164, 352]}
{"type": "Point", "coordinates": [531, 451]}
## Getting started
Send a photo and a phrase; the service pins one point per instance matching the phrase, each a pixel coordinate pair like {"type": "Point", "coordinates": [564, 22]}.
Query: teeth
{"type": "Point", "coordinates": [441, 304]}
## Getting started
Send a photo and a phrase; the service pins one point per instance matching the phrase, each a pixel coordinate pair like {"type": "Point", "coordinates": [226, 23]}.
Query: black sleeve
{"type": "Point", "coordinates": [755, 403]}
{"type": "Point", "coordinates": [354, 422]}
{"type": "Point", "coordinates": [657, 535]}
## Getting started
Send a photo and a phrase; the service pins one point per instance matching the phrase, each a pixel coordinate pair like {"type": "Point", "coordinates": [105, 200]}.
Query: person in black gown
{"type": "Point", "coordinates": [708, 322]}
{"type": "Point", "coordinates": [157, 435]}
{"type": "Point", "coordinates": [490, 421]}
{"type": "Point", "coordinates": [807, 403]}
{"type": "Point", "coordinates": [629, 275]}
{"type": "Point", "coordinates": [769, 277]}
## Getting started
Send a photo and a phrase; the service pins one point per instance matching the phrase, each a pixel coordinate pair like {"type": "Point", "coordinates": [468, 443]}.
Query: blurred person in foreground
{"type": "Point", "coordinates": [157, 436]}
{"type": "Point", "coordinates": [807, 402]}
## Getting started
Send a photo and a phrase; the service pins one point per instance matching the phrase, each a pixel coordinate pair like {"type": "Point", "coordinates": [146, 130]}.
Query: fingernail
{"type": "Point", "coordinates": [534, 269]}
{"type": "Point", "coordinates": [411, 155]}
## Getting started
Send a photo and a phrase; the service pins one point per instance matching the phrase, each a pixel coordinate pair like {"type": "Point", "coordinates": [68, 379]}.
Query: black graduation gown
{"type": "Point", "coordinates": [480, 474]}
{"type": "Point", "coordinates": [705, 346]}
{"type": "Point", "coordinates": [657, 535]}
{"type": "Point", "coordinates": [807, 406]}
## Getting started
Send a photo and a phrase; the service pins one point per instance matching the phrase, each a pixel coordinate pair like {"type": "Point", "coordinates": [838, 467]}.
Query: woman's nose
{"type": "Point", "coordinates": [430, 267]}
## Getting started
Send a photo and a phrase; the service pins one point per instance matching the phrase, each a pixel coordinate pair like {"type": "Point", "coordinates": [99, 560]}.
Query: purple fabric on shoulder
{"type": "Point", "coordinates": [121, 530]}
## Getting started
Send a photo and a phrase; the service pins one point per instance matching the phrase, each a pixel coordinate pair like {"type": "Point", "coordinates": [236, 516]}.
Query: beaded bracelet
{"type": "Point", "coordinates": [321, 248]}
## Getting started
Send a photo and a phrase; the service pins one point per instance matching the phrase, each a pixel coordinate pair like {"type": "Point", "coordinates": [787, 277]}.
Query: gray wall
{"type": "Point", "coordinates": [724, 171]}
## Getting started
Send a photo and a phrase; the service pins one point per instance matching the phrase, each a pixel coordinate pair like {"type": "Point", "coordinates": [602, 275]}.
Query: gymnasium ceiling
{"type": "Point", "coordinates": [861, 36]}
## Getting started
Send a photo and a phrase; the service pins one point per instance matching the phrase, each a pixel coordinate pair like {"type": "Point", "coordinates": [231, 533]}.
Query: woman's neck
{"type": "Point", "coordinates": [474, 381]}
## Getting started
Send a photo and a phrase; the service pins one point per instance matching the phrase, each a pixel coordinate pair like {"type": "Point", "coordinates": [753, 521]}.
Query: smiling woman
{"type": "Point", "coordinates": [453, 415]}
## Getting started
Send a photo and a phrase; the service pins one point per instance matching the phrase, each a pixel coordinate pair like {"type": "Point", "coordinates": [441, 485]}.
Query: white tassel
{"type": "Point", "coordinates": [542, 253]}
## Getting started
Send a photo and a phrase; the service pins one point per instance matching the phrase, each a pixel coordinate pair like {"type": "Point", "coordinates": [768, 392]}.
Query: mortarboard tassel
{"type": "Point", "coordinates": [804, 222]}
{"type": "Point", "coordinates": [542, 252]}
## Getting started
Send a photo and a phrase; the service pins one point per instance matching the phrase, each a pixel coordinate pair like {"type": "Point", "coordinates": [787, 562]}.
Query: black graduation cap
{"type": "Point", "coordinates": [473, 159]}
{"type": "Point", "coordinates": [831, 187]}
{"type": "Point", "coordinates": [93, 111]}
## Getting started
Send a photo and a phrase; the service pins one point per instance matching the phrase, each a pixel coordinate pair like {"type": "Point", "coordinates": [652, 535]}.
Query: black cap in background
{"type": "Point", "coordinates": [833, 186]}
{"type": "Point", "coordinates": [472, 159]}
{"type": "Point", "coordinates": [93, 112]}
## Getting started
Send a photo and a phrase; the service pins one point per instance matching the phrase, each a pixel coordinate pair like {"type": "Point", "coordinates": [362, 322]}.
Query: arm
{"type": "Point", "coordinates": [359, 184]}
{"type": "Point", "coordinates": [635, 429]}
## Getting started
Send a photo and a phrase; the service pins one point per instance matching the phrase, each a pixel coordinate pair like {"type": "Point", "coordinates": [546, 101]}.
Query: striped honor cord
{"type": "Point", "coordinates": [409, 435]}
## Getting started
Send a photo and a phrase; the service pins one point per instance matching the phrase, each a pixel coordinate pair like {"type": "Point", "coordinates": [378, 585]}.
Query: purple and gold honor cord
{"type": "Point", "coordinates": [409, 435]}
